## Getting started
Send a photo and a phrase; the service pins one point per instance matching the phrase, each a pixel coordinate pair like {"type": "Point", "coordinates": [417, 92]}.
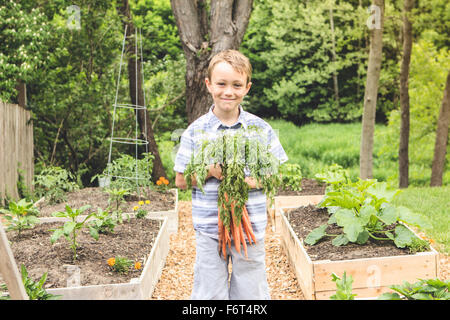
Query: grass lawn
{"type": "Point", "coordinates": [434, 203]}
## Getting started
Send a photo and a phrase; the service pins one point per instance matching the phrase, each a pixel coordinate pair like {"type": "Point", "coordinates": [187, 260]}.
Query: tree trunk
{"type": "Point", "coordinates": [440, 146]}
{"type": "Point", "coordinates": [403, 157]}
{"type": "Point", "coordinates": [333, 43]}
{"type": "Point", "coordinates": [21, 94]}
{"type": "Point", "coordinates": [371, 91]}
{"type": "Point", "coordinates": [204, 34]}
{"type": "Point", "coordinates": [137, 94]}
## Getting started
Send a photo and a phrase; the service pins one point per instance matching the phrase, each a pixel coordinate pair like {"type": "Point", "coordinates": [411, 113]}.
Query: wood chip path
{"type": "Point", "coordinates": [177, 276]}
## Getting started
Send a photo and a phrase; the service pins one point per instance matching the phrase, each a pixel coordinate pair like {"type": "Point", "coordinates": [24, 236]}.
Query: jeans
{"type": "Point", "coordinates": [212, 281]}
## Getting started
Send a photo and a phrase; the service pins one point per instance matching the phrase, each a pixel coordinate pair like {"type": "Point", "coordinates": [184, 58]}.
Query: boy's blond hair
{"type": "Point", "coordinates": [236, 59]}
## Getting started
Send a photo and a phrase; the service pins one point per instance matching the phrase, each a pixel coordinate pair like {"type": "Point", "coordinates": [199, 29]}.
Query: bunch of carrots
{"type": "Point", "coordinates": [237, 225]}
{"type": "Point", "coordinates": [234, 150]}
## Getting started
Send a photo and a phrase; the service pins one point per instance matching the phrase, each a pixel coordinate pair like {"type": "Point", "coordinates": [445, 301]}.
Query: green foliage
{"type": "Point", "coordinates": [290, 46]}
{"type": "Point", "coordinates": [117, 197]}
{"type": "Point", "coordinates": [429, 68]}
{"type": "Point", "coordinates": [71, 227]}
{"type": "Point", "coordinates": [21, 215]}
{"type": "Point", "coordinates": [53, 183]}
{"type": "Point", "coordinates": [424, 289]}
{"type": "Point", "coordinates": [141, 213]}
{"type": "Point", "coordinates": [129, 173]}
{"type": "Point", "coordinates": [291, 175]}
{"type": "Point", "coordinates": [35, 290]}
{"type": "Point", "coordinates": [432, 203]}
{"type": "Point", "coordinates": [24, 31]}
{"type": "Point", "coordinates": [364, 209]}
{"type": "Point", "coordinates": [122, 264]}
{"type": "Point", "coordinates": [102, 222]}
{"type": "Point", "coordinates": [343, 287]}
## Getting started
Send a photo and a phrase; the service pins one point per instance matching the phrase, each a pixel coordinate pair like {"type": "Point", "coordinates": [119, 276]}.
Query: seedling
{"type": "Point", "coordinates": [71, 228]}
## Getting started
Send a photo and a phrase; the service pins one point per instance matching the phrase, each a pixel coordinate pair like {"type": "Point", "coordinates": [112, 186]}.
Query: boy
{"type": "Point", "coordinates": [228, 82]}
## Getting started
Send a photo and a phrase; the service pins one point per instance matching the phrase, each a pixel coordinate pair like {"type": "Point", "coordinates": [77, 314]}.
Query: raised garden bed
{"type": "Point", "coordinates": [89, 277]}
{"type": "Point", "coordinates": [162, 204]}
{"type": "Point", "coordinates": [312, 192]}
{"type": "Point", "coordinates": [374, 266]}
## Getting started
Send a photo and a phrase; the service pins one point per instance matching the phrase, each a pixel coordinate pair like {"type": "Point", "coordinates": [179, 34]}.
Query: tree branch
{"type": "Point", "coordinates": [242, 10]}
{"type": "Point", "coordinates": [188, 23]}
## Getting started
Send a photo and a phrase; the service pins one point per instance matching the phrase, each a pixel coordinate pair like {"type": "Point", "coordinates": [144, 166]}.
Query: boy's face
{"type": "Point", "coordinates": [227, 86]}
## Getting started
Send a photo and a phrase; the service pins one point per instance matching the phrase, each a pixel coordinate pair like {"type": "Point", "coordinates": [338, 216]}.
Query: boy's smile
{"type": "Point", "coordinates": [228, 88]}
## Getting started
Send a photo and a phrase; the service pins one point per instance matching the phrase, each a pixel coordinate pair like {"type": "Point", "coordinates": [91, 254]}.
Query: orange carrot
{"type": "Point", "coordinates": [244, 245]}
{"type": "Point", "coordinates": [247, 224]}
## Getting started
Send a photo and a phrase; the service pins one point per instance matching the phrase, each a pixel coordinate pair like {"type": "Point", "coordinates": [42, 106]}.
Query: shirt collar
{"type": "Point", "coordinates": [215, 122]}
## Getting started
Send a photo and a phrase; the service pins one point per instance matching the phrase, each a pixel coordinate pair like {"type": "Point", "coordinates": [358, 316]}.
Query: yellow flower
{"type": "Point", "coordinates": [141, 203]}
{"type": "Point", "coordinates": [111, 261]}
{"type": "Point", "coordinates": [147, 201]}
{"type": "Point", "coordinates": [135, 208]}
{"type": "Point", "coordinates": [137, 265]}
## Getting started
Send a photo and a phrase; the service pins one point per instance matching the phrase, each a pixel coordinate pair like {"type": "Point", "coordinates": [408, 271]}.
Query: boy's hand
{"type": "Point", "coordinates": [215, 170]}
{"type": "Point", "coordinates": [252, 183]}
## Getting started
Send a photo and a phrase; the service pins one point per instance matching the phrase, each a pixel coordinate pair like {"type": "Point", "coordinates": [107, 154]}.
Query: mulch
{"type": "Point", "coordinates": [178, 273]}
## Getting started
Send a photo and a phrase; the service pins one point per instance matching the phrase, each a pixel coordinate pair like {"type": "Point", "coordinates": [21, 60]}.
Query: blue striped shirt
{"type": "Point", "coordinates": [204, 205]}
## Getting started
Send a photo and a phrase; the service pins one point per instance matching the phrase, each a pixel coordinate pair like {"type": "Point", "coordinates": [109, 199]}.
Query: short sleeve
{"type": "Point", "coordinates": [184, 152]}
{"type": "Point", "coordinates": [275, 146]}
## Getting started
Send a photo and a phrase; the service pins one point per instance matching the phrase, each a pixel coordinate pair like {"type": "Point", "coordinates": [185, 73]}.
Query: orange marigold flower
{"type": "Point", "coordinates": [137, 265]}
{"type": "Point", "coordinates": [159, 182]}
{"type": "Point", "coordinates": [111, 262]}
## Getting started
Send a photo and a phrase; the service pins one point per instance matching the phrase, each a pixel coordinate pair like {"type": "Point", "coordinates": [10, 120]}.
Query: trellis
{"type": "Point", "coordinates": [135, 107]}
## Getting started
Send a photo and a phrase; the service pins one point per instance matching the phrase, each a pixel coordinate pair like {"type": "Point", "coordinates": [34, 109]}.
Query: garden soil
{"type": "Point", "coordinates": [97, 198]}
{"type": "Point", "coordinates": [132, 239]}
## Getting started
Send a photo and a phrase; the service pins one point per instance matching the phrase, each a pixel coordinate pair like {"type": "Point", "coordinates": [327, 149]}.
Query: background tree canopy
{"type": "Point", "coordinates": [71, 73]}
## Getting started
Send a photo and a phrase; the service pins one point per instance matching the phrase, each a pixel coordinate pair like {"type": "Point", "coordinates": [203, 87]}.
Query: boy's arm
{"type": "Point", "coordinates": [213, 171]}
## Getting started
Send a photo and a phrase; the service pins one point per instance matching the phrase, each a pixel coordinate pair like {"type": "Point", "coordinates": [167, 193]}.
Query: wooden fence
{"type": "Point", "coordinates": [16, 149]}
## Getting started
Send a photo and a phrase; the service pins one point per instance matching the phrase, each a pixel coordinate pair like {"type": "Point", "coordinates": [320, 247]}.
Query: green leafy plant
{"type": "Point", "coordinates": [141, 213]}
{"type": "Point", "coordinates": [102, 222]}
{"type": "Point", "coordinates": [424, 289]}
{"type": "Point", "coordinates": [35, 290]}
{"type": "Point", "coordinates": [125, 168]}
{"type": "Point", "coordinates": [364, 209]}
{"type": "Point", "coordinates": [343, 287]}
{"type": "Point", "coordinates": [71, 228]}
{"type": "Point", "coordinates": [291, 175]}
{"type": "Point", "coordinates": [53, 183]}
{"type": "Point", "coordinates": [120, 264]}
{"type": "Point", "coordinates": [117, 197]}
{"type": "Point", "coordinates": [21, 215]}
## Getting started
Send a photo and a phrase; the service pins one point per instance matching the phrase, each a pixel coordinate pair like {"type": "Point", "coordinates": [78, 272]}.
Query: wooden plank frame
{"type": "Point", "coordinates": [371, 276]}
{"type": "Point", "coordinates": [9, 270]}
{"type": "Point", "coordinates": [172, 215]}
{"type": "Point", "coordinates": [138, 288]}
{"type": "Point", "coordinates": [288, 202]}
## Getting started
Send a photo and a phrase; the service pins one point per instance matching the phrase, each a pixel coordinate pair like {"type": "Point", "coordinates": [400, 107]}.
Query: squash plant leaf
{"type": "Point", "coordinates": [389, 214]}
{"type": "Point", "coordinates": [351, 224]}
{"type": "Point", "coordinates": [340, 240]}
{"type": "Point", "coordinates": [315, 235]}
{"type": "Point", "coordinates": [381, 191]}
{"type": "Point", "coordinates": [403, 236]}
